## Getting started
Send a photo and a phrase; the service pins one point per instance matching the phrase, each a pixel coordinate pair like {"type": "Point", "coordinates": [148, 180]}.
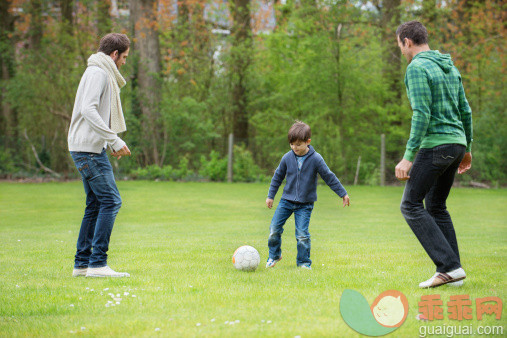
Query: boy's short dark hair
{"type": "Point", "coordinates": [413, 30]}
{"type": "Point", "coordinates": [299, 131]}
{"type": "Point", "coordinates": [114, 41]}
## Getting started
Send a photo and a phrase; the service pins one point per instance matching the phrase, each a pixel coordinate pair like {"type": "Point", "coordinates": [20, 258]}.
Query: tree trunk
{"type": "Point", "coordinates": [390, 51]}
{"type": "Point", "coordinates": [67, 8]}
{"type": "Point", "coordinates": [338, 118]}
{"type": "Point", "coordinates": [144, 17]}
{"type": "Point", "coordinates": [8, 118]}
{"type": "Point", "coordinates": [104, 25]}
{"type": "Point", "coordinates": [240, 60]}
{"type": "Point", "coordinates": [36, 24]}
{"type": "Point", "coordinates": [391, 72]}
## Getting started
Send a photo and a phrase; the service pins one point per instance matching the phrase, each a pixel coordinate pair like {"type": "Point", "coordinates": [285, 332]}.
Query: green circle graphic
{"type": "Point", "coordinates": [356, 312]}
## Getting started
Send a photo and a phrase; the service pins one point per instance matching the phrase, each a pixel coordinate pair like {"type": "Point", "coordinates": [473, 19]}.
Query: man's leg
{"type": "Point", "coordinates": [282, 212]}
{"type": "Point", "coordinates": [84, 241]}
{"type": "Point", "coordinates": [302, 216]}
{"type": "Point", "coordinates": [423, 175]}
{"type": "Point", "coordinates": [435, 200]}
{"type": "Point", "coordinates": [104, 186]}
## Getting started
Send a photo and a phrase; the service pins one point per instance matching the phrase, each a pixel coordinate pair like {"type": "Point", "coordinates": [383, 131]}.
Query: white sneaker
{"type": "Point", "coordinates": [105, 271]}
{"type": "Point", "coordinates": [79, 272]}
{"type": "Point", "coordinates": [457, 284]}
{"type": "Point", "coordinates": [271, 262]}
{"type": "Point", "coordinates": [441, 278]}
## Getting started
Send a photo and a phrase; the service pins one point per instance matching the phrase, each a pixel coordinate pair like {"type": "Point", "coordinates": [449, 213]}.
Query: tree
{"type": "Point", "coordinates": [67, 10]}
{"type": "Point", "coordinates": [104, 24]}
{"type": "Point", "coordinates": [240, 59]}
{"type": "Point", "coordinates": [8, 119]}
{"type": "Point", "coordinates": [389, 21]}
{"type": "Point", "coordinates": [146, 41]}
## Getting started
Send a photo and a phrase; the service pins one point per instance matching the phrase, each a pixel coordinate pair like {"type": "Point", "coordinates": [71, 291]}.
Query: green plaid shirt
{"type": "Point", "coordinates": [441, 114]}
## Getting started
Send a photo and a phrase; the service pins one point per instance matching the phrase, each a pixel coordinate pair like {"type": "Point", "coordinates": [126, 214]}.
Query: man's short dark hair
{"type": "Point", "coordinates": [114, 41]}
{"type": "Point", "coordinates": [413, 30]}
{"type": "Point", "coordinates": [299, 131]}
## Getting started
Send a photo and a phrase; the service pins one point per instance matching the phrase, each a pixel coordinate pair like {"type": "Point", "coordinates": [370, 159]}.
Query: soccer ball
{"type": "Point", "coordinates": [246, 258]}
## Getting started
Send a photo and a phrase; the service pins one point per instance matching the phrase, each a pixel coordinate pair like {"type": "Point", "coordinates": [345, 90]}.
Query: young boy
{"type": "Point", "coordinates": [300, 167]}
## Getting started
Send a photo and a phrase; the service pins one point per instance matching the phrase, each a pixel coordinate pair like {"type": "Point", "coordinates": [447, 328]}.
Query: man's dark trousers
{"type": "Point", "coordinates": [431, 179]}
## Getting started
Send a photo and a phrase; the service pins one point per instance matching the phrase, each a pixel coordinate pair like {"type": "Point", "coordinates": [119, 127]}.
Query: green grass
{"type": "Point", "coordinates": [176, 240]}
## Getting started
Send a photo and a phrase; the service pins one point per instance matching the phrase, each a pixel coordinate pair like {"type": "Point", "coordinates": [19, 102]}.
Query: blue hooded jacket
{"type": "Point", "coordinates": [301, 185]}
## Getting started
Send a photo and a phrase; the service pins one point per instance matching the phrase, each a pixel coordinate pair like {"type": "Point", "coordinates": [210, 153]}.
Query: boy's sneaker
{"type": "Point", "coordinates": [271, 262]}
{"type": "Point", "coordinates": [306, 266]}
{"type": "Point", "coordinates": [441, 278]}
{"type": "Point", "coordinates": [79, 272]}
{"type": "Point", "coordinates": [105, 271]}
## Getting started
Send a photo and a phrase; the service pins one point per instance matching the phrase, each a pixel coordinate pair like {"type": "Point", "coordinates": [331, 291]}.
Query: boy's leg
{"type": "Point", "coordinates": [282, 212]}
{"type": "Point", "coordinates": [302, 216]}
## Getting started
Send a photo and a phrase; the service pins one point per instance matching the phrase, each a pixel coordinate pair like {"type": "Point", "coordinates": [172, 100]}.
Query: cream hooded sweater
{"type": "Point", "coordinates": [89, 129]}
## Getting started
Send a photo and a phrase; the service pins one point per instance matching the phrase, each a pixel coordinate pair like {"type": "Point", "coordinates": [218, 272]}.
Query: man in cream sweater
{"type": "Point", "coordinates": [97, 118]}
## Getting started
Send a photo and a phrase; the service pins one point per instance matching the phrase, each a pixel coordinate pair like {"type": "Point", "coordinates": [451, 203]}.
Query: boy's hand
{"type": "Point", "coordinates": [269, 203]}
{"type": "Point", "coordinates": [346, 201]}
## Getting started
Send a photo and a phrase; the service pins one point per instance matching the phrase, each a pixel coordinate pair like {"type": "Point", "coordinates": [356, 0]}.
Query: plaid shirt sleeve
{"type": "Point", "coordinates": [419, 95]}
{"type": "Point", "coordinates": [466, 116]}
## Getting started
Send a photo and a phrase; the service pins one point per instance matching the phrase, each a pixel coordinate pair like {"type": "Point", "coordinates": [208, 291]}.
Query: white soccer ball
{"type": "Point", "coordinates": [246, 258]}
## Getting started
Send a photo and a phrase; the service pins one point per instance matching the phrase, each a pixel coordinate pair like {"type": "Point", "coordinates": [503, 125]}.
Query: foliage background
{"type": "Point", "coordinates": [202, 69]}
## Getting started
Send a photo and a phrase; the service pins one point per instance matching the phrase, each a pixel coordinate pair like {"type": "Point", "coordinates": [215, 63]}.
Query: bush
{"type": "Point", "coordinates": [7, 166]}
{"type": "Point", "coordinates": [215, 169]}
{"type": "Point", "coordinates": [153, 172]}
{"type": "Point", "coordinates": [369, 174]}
{"type": "Point", "coordinates": [244, 167]}
{"type": "Point", "coordinates": [182, 172]}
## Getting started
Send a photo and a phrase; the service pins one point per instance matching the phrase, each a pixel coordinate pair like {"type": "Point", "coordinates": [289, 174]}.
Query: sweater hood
{"type": "Point", "coordinates": [444, 61]}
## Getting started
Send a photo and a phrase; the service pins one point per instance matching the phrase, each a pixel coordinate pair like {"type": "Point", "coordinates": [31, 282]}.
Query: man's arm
{"type": "Point", "coordinates": [93, 88]}
{"type": "Point", "coordinates": [466, 116]}
{"type": "Point", "coordinates": [419, 94]}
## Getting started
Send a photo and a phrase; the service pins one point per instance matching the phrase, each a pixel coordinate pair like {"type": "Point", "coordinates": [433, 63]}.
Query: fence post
{"type": "Point", "coordinates": [229, 158]}
{"type": "Point", "coordinates": [382, 159]}
{"type": "Point", "coordinates": [357, 170]}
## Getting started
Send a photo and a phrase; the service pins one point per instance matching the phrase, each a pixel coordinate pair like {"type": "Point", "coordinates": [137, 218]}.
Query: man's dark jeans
{"type": "Point", "coordinates": [431, 179]}
{"type": "Point", "coordinates": [102, 204]}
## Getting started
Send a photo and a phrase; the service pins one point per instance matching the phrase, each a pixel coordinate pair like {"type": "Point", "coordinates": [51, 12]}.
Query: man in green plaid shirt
{"type": "Point", "coordinates": [439, 144]}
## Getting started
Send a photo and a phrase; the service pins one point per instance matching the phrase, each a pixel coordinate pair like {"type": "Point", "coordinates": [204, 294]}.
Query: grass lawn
{"type": "Point", "coordinates": [176, 240]}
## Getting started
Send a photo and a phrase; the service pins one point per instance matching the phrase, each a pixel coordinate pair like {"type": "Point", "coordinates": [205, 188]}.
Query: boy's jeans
{"type": "Point", "coordinates": [102, 204]}
{"type": "Point", "coordinates": [302, 213]}
{"type": "Point", "coordinates": [431, 179]}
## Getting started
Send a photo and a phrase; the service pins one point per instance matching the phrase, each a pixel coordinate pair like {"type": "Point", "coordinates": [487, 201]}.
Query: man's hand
{"type": "Point", "coordinates": [269, 202]}
{"type": "Point", "coordinates": [466, 163]}
{"type": "Point", "coordinates": [122, 152]}
{"type": "Point", "coordinates": [346, 201]}
{"type": "Point", "coordinates": [402, 170]}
